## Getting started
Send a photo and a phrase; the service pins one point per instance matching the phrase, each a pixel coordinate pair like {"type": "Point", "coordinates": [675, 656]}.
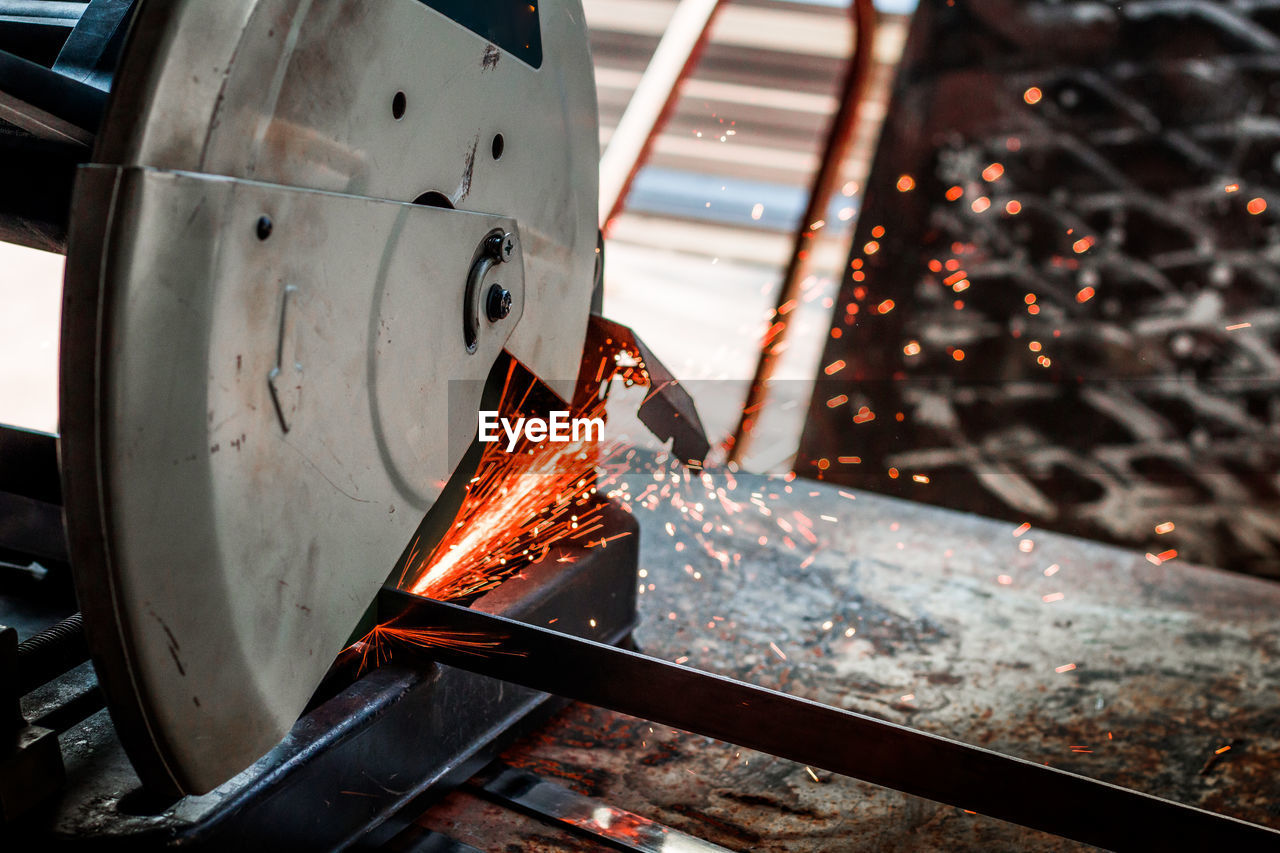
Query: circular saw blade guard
{"type": "Point", "coordinates": [260, 332]}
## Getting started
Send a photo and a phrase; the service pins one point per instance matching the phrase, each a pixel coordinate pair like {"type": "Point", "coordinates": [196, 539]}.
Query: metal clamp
{"type": "Point", "coordinates": [496, 248]}
{"type": "Point", "coordinates": [31, 768]}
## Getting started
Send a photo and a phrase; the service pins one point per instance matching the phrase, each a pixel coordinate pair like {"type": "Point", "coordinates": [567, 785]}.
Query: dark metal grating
{"type": "Point", "coordinates": [1134, 137]}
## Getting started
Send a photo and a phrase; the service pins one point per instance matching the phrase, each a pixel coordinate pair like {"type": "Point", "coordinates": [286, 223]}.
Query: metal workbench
{"type": "Point", "coordinates": [1171, 663]}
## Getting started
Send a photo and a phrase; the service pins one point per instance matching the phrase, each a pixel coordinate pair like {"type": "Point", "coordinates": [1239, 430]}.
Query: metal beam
{"type": "Point", "coordinates": [652, 102]}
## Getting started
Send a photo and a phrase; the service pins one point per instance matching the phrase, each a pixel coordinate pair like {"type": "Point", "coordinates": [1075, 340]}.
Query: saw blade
{"type": "Point", "coordinates": [260, 333]}
{"type": "Point", "coordinates": [807, 732]}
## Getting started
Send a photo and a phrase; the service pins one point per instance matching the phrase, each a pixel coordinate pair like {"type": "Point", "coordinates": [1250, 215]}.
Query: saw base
{"type": "Point", "coordinates": [357, 765]}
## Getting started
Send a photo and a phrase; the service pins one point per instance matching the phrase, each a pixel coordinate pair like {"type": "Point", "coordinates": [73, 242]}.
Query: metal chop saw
{"type": "Point", "coordinates": [298, 228]}
{"type": "Point", "coordinates": [262, 328]}
{"type": "Point", "coordinates": [301, 236]}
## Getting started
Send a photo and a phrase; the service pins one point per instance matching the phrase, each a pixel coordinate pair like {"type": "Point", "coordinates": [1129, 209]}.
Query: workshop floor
{"type": "Point", "coordinates": [1058, 650]}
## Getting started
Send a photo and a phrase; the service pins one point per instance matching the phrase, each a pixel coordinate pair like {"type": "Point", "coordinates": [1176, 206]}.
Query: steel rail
{"type": "Point", "coordinates": [839, 140]}
{"type": "Point", "coordinates": [652, 103]}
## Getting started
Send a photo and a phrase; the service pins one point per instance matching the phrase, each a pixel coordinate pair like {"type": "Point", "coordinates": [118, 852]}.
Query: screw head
{"type": "Point", "coordinates": [502, 246]}
{"type": "Point", "coordinates": [498, 303]}
{"type": "Point", "coordinates": [264, 227]}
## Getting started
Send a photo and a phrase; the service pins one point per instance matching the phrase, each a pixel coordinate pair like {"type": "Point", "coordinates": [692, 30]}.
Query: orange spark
{"type": "Point", "coordinates": [379, 643]}
{"type": "Point", "coordinates": [520, 504]}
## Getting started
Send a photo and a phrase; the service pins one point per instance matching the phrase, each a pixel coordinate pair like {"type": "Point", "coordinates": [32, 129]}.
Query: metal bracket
{"type": "Point", "coordinates": [497, 248]}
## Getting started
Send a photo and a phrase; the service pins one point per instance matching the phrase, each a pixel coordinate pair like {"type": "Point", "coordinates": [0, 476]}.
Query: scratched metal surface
{"type": "Point", "coordinates": [1172, 662]}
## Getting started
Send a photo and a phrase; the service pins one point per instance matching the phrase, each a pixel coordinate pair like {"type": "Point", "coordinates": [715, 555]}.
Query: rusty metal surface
{"type": "Point", "coordinates": [1061, 304]}
{"type": "Point", "coordinates": [1171, 663]}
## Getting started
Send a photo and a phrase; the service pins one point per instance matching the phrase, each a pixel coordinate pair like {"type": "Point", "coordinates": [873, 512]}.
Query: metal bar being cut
{"type": "Point", "coordinates": [817, 735]}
